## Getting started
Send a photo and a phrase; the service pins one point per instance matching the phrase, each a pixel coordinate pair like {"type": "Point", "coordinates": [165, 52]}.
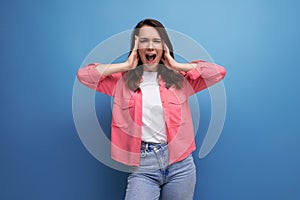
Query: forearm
{"type": "Point", "coordinates": [203, 75]}
{"type": "Point", "coordinates": [185, 67]}
{"type": "Point", "coordinates": [203, 69]}
{"type": "Point", "coordinates": [92, 78]}
{"type": "Point", "coordinates": [108, 69]}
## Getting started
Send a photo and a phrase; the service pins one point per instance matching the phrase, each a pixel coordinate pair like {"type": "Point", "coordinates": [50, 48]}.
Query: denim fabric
{"type": "Point", "coordinates": [155, 179]}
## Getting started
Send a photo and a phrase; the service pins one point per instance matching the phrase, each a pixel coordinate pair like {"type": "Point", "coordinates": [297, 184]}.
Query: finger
{"type": "Point", "coordinates": [166, 48]}
{"type": "Point", "coordinates": [136, 42]}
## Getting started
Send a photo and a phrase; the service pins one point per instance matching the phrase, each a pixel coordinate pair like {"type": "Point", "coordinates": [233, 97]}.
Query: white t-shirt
{"type": "Point", "coordinates": [153, 128]}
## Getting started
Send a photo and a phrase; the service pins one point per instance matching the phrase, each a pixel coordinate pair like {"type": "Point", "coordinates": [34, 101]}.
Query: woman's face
{"type": "Point", "coordinates": [150, 48]}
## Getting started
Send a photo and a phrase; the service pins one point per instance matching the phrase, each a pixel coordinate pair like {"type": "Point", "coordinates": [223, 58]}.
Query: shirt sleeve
{"type": "Point", "coordinates": [204, 75]}
{"type": "Point", "coordinates": [91, 77]}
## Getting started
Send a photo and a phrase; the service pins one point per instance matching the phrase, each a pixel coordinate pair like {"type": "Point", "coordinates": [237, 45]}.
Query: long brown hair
{"type": "Point", "coordinates": [133, 77]}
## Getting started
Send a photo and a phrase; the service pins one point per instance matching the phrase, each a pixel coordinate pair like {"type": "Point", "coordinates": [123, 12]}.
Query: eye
{"type": "Point", "coordinates": [157, 40]}
{"type": "Point", "coordinates": [143, 40]}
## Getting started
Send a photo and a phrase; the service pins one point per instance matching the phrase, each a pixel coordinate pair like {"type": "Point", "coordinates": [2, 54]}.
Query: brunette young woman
{"type": "Point", "coordinates": [152, 129]}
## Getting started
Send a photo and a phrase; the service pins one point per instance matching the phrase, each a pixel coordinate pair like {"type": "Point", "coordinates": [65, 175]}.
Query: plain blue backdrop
{"type": "Point", "coordinates": [43, 44]}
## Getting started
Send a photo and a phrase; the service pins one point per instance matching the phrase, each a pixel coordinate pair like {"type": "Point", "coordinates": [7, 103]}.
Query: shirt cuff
{"type": "Point", "coordinates": [196, 72]}
{"type": "Point", "coordinates": [94, 73]}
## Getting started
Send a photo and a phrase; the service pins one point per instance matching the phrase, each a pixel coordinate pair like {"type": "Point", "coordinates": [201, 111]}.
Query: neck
{"type": "Point", "coordinates": [150, 68]}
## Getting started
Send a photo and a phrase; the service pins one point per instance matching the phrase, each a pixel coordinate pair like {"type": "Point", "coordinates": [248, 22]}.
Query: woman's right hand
{"type": "Point", "coordinates": [131, 63]}
{"type": "Point", "coordinates": [133, 58]}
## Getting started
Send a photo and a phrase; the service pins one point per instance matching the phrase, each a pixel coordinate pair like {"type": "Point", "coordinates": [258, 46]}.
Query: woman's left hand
{"type": "Point", "coordinates": [170, 63]}
{"type": "Point", "coordinates": [168, 60]}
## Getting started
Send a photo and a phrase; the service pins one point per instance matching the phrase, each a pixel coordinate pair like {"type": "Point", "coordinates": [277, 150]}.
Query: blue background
{"type": "Point", "coordinates": [43, 44]}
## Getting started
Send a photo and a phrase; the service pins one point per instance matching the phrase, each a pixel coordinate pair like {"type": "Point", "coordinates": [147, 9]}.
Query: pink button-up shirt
{"type": "Point", "coordinates": [126, 127]}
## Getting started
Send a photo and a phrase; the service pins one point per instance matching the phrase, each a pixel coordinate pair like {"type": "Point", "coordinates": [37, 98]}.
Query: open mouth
{"type": "Point", "coordinates": [150, 57]}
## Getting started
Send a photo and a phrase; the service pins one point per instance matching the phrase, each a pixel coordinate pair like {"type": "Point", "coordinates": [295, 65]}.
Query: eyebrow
{"type": "Point", "coordinates": [153, 38]}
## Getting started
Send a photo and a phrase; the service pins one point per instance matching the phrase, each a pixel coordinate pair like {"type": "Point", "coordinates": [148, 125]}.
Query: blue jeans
{"type": "Point", "coordinates": [155, 179]}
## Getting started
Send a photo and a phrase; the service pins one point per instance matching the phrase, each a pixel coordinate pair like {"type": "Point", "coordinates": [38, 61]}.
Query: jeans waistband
{"type": "Point", "coordinates": [148, 146]}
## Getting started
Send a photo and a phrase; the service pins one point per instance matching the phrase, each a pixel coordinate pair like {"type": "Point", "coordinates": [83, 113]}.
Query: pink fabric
{"type": "Point", "coordinates": [126, 124]}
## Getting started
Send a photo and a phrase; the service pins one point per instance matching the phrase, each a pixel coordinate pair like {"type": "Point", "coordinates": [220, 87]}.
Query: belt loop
{"type": "Point", "coordinates": [147, 146]}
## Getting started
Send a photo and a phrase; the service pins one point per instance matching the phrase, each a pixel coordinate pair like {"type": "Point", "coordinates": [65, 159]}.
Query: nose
{"type": "Point", "coordinates": [150, 45]}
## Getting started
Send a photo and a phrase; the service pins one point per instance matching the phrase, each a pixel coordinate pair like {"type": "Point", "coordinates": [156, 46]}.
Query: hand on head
{"type": "Point", "coordinates": [167, 59]}
{"type": "Point", "coordinates": [133, 58]}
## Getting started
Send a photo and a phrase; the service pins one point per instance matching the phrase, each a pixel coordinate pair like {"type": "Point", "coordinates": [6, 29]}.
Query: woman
{"type": "Point", "coordinates": [152, 128]}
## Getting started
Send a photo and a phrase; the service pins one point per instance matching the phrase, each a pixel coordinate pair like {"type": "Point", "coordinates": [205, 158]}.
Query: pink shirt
{"type": "Point", "coordinates": [126, 127]}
